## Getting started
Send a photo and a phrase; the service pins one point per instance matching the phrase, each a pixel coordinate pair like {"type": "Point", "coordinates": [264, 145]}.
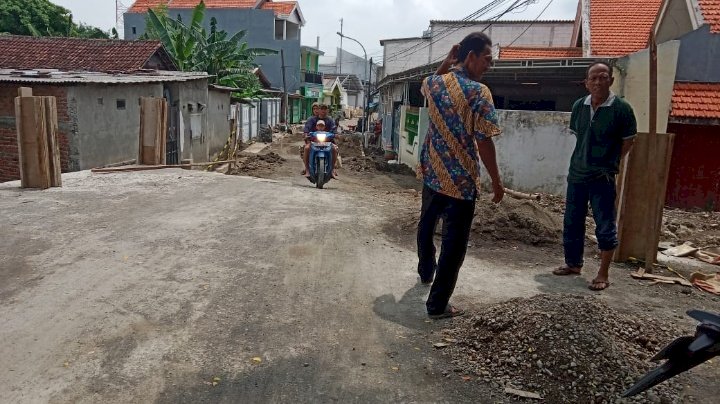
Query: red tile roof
{"type": "Point", "coordinates": [696, 100]}
{"type": "Point", "coordinates": [97, 55]}
{"type": "Point", "coordinates": [711, 12]}
{"type": "Point", "coordinates": [621, 27]}
{"type": "Point", "coordinates": [280, 7]}
{"type": "Point", "coordinates": [530, 52]}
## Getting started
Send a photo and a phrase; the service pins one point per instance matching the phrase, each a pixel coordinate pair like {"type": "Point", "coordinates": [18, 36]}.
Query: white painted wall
{"type": "Point", "coordinates": [632, 82]}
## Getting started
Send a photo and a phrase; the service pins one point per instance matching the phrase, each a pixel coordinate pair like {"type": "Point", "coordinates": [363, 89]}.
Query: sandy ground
{"type": "Point", "coordinates": [183, 287]}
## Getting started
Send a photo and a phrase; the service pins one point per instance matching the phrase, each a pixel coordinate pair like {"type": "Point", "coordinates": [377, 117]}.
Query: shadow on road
{"type": "Point", "coordinates": [408, 312]}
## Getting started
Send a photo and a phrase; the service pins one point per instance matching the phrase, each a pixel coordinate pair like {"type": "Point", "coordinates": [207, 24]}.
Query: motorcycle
{"type": "Point", "coordinates": [684, 353]}
{"type": "Point", "coordinates": [321, 158]}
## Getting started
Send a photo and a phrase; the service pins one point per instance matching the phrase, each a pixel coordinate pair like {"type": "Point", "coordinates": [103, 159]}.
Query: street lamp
{"type": "Point", "coordinates": [367, 92]}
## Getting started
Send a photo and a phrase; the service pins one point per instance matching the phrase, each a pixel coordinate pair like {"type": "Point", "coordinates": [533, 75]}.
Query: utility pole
{"type": "Point", "coordinates": [338, 59]}
{"type": "Point", "coordinates": [285, 92]}
{"type": "Point", "coordinates": [367, 105]}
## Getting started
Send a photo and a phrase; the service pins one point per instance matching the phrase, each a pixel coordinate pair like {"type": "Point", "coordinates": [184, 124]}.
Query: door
{"type": "Point", "coordinates": [172, 144]}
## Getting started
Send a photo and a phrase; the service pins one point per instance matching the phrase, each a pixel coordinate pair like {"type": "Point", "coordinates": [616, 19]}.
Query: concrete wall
{"type": "Point", "coordinates": [533, 152]}
{"type": "Point", "coordinates": [351, 64]}
{"type": "Point", "coordinates": [632, 82]}
{"type": "Point", "coordinates": [218, 122]}
{"type": "Point", "coordinates": [699, 57]}
{"type": "Point", "coordinates": [260, 27]}
{"type": "Point", "coordinates": [401, 55]}
{"type": "Point", "coordinates": [106, 132]}
{"type": "Point", "coordinates": [188, 97]}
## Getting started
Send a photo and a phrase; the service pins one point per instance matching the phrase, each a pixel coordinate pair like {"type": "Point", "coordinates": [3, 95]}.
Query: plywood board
{"type": "Point", "coordinates": [642, 196]}
{"type": "Point", "coordinates": [153, 130]}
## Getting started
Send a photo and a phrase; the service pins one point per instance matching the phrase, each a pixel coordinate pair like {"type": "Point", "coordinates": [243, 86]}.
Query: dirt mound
{"type": "Point", "coordinates": [349, 145]}
{"type": "Point", "coordinates": [700, 228]}
{"type": "Point", "coordinates": [257, 163]}
{"type": "Point", "coordinates": [567, 348]}
{"type": "Point", "coordinates": [516, 220]}
{"type": "Point", "coordinates": [376, 164]}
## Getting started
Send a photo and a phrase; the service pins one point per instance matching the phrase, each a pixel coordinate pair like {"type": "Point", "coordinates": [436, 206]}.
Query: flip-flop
{"type": "Point", "coordinates": [593, 285]}
{"type": "Point", "coordinates": [450, 311]}
{"type": "Point", "coordinates": [564, 271]}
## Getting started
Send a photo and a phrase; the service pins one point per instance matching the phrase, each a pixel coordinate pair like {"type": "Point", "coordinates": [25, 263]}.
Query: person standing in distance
{"type": "Point", "coordinates": [462, 122]}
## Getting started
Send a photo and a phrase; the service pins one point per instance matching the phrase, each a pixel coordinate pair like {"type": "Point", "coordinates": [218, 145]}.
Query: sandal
{"type": "Point", "coordinates": [597, 286]}
{"type": "Point", "coordinates": [566, 270]}
{"type": "Point", "coordinates": [450, 311]}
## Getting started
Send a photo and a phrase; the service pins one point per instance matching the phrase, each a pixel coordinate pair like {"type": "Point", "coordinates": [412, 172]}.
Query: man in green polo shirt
{"type": "Point", "coordinates": [605, 127]}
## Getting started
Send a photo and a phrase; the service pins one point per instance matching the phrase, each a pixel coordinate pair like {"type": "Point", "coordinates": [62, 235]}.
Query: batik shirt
{"type": "Point", "coordinates": [462, 113]}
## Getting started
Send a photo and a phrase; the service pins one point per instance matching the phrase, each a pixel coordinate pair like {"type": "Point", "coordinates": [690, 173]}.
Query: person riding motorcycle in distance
{"type": "Point", "coordinates": [312, 126]}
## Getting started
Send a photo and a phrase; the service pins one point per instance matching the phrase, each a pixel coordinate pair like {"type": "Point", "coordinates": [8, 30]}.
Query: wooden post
{"type": "Point", "coordinates": [51, 125]}
{"type": "Point", "coordinates": [653, 169]}
{"type": "Point", "coordinates": [32, 142]}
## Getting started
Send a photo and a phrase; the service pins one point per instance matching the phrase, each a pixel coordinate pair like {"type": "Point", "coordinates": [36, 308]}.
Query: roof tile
{"type": "Point", "coordinates": [711, 12]}
{"type": "Point", "coordinates": [621, 27]}
{"type": "Point", "coordinates": [279, 7]}
{"type": "Point", "coordinates": [696, 100]}
{"type": "Point", "coordinates": [530, 52]}
{"type": "Point", "coordinates": [98, 55]}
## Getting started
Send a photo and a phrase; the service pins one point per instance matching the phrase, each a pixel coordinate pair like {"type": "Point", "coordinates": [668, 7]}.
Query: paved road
{"type": "Point", "coordinates": [142, 287]}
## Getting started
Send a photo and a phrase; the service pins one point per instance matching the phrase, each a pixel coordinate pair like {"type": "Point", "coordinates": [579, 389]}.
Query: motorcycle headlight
{"type": "Point", "coordinates": [321, 137]}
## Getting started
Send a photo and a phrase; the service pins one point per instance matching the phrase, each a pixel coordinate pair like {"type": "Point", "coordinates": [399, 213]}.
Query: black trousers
{"type": "Point", "coordinates": [457, 215]}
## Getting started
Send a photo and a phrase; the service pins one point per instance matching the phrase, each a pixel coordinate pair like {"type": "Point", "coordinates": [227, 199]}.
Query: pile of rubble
{"type": "Point", "coordinates": [566, 348]}
{"type": "Point", "coordinates": [258, 162]}
{"type": "Point", "coordinates": [699, 228]}
{"type": "Point", "coordinates": [525, 221]}
{"type": "Point", "coordinates": [375, 164]}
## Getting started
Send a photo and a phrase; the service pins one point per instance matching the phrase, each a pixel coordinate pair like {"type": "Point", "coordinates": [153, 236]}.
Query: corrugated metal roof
{"type": "Point", "coordinates": [62, 77]}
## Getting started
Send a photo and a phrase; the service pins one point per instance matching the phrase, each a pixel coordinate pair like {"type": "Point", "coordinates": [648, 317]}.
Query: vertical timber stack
{"type": "Point", "coordinates": [153, 130]}
{"type": "Point", "coordinates": [38, 147]}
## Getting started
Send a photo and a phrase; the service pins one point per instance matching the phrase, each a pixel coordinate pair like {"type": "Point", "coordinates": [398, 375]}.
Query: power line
{"type": "Point", "coordinates": [449, 30]}
{"type": "Point", "coordinates": [517, 4]}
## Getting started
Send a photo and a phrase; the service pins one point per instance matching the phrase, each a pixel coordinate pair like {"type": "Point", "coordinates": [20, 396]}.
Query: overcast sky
{"type": "Point", "coordinates": [368, 21]}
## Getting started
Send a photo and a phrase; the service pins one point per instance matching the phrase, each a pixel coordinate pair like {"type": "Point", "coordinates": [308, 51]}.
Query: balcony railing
{"type": "Point", "coordinates": [312, 77]}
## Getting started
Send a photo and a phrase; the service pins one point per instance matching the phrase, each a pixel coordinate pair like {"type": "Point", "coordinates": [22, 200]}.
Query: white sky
{"type": "Point", "coordinates": [368, 21]}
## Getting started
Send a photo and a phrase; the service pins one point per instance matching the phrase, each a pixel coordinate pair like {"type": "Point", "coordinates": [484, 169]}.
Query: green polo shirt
{"type": "Point", "coordinates": [600, 135]}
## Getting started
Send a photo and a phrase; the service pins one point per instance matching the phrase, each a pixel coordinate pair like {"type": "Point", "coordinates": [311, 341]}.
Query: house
{"type": "Point", "coordinates": [343, 92]}
{"type": "Point", "coordinates": [96, 55]}
{"type": "Point", "coordinates": [98, 84]}
{"type": "Point", "coordinates": [269, 24]}
{"type": "Point", "coordinates": [349, 63]}
{"type": "Point", "coordinates": [312, 79]}
{"type": "Point", "coordinates": [402, 54]}
{"type": "Point", "coordinates": [694, 178]}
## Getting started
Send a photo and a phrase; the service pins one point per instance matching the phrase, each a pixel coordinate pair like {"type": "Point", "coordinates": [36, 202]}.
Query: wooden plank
{"type": "Point", "coordinates": [32, 143]}
{"type": "Point", "coordinates": [51, 125]}
{"type": "Point", "coordinates": [25, 92]}
{"type": "Point", "coordinates": [153, 130]}
{"type": "Point", "coordinates": [19, 131]}
{"type": "Point", "coordinates": [642, 197]}
{"type": "Point", "coordinates": [137, 168]}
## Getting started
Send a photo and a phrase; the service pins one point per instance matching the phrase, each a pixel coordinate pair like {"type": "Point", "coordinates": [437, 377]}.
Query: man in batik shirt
{"type": "Point", "coordinates": [462, 122]}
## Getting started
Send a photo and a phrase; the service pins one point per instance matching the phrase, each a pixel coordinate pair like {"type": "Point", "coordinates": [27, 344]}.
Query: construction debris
{"type": "Point", "coordinates": [565, 348]}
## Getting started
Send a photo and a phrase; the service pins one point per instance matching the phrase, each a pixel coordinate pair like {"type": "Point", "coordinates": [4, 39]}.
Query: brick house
{"type": "Point", "coordinates": [97, 84]}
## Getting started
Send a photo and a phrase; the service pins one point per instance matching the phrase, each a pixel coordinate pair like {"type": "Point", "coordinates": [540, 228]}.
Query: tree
{"type": "Point", "coordinates": [228, 60]}
{"type": "Point", "coordinates": [42, 18]}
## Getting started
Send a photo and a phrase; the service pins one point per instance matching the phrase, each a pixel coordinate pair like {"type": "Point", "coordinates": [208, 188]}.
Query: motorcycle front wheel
{"type": "Point", "coordinates": [320, 166]}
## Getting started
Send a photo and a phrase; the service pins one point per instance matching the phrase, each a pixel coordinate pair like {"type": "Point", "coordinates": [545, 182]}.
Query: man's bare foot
{"type": "Point", "coordinates": [306, 173]}
{"type": "Point", "coordinates": [334, 174]}
{"type": "Point", "coordinates": [566, 270]}
{"type": "Point", "coordinates": [599, 284]}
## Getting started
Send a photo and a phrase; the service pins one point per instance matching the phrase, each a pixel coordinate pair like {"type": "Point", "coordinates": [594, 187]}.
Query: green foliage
{"type": "Point", "coordinates": [42, 18]}
{"type": "Point", "coordinates": [227, 59]}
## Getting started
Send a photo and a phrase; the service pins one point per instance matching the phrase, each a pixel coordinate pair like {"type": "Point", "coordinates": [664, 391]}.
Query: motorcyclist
{"type": "Point", "coordinates": [311, 126]}
{"type": "Point", "coordinates": [320, 127]}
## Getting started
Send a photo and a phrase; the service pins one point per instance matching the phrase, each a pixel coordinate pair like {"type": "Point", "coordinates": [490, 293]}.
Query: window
{"type": "Point", "coordinates": [134, 30]}
{"type": "Point", "coordinates": [100, 101]}
{"type": "Point", "coordinates": [120, 104]}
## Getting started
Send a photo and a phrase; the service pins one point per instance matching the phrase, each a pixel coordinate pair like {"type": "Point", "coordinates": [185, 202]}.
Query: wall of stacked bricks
{"type": "Point", "coordinates": [9, 162]}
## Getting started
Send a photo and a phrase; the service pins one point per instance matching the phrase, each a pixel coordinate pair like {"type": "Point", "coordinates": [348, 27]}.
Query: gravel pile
{"type": "Point", "coordinates": [566, 348]}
